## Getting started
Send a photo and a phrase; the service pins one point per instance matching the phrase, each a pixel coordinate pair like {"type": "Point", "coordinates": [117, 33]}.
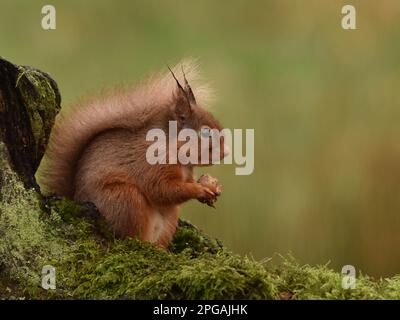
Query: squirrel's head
{"type": "Point", "coordinates": [190, 115]}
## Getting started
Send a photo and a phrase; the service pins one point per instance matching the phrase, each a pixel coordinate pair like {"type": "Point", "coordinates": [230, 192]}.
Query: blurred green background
{"type": "Point", "coordinates": [324, 103]}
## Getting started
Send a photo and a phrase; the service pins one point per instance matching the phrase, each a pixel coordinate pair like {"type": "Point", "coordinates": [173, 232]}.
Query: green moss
{"type": "Point", "coordinates": [90, 265]}
{"type": "Point", "coordinates": [391, 288]}
{"type": "Point", "coordinates": [27, 239]}
{"type": "Point", "coordinates": [190, 238]}
{"type": "Point", "coordinates": [131, 269]}
{"type": "Point", "coordinates": [320, 282]}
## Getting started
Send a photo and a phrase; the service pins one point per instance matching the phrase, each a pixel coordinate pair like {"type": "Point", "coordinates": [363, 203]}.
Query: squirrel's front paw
{"type": "Point", "coordinates": [211, 183]}
{"type": "Point", "coordinates": [206, 195]}
{"type": "Point", "coordinates": [214, 189]}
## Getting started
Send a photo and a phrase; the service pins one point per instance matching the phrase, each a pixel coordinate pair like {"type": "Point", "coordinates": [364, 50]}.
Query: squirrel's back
{"type": "Point", "coordinates": [121, 109]}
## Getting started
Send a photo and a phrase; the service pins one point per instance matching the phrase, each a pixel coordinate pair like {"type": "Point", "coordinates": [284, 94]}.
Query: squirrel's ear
{"type": "Point", "coordinates": [183, 108]}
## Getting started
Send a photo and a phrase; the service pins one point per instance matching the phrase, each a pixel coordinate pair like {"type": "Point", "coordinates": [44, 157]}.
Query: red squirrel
{"type": "Point", "coordinates": [97, 151]}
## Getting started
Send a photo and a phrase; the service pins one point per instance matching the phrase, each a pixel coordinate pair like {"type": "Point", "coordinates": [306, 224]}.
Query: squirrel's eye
{"type": "Point", "coordinates": [205, 132]}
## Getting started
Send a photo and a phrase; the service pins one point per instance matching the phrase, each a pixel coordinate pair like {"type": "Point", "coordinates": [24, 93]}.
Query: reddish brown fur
{"type": "Point", "coordinates": [97, 154]}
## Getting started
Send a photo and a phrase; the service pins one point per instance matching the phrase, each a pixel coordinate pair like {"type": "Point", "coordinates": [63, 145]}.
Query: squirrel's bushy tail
{"type": "Point", "coordinates": [122, 108]}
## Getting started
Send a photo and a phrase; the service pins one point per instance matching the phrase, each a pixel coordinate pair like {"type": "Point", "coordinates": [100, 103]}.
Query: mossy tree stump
{"type": "Point", "coordinates": [29, 102]}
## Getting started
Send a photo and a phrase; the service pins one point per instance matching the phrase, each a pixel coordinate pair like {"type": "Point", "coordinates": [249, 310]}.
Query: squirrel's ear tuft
{"type": "Point", "coordinates": [188, 89]}
{"type": "Point", "coordinates": [183, 108]}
